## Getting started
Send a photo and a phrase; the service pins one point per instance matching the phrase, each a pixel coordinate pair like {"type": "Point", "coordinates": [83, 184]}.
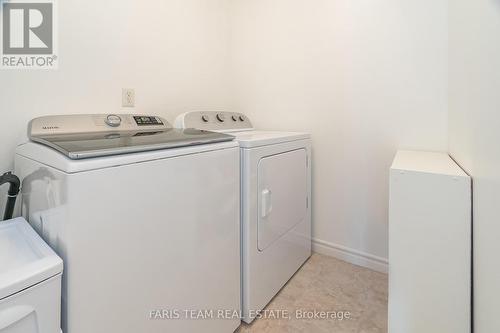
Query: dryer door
{"type": "Point", "coordinates": [282, 195]}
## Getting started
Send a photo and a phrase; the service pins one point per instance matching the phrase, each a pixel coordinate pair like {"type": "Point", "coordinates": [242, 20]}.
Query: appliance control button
{"type": "Point", "coordinates": [205, 118]}
{"type": "Point", "coordinates": [234, 118]}
{"type": "Point", "coordinates": [113, 120]}
{"type": "Point", "coordinates": [221, 117]}
{"type": "Point", "coordinates": [242, 118]}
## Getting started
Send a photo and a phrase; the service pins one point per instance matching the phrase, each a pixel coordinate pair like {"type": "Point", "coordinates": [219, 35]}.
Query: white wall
{"type": "Point", "coordinates": [475, 139]}
{"type": "Point", "coordinates": [173, 52]}
{"type": "Point", "coordinates": [364, 77]}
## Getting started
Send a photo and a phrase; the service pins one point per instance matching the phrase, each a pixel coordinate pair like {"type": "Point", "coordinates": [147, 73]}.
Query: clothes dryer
{"type": "Point", "coordinates": [275, 203]}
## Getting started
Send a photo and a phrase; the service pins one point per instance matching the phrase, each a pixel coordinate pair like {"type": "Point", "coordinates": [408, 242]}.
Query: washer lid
{"type": "Point", "coordinates": [252, 139]}
{"type": "Point", "coordinates": [25, 259]}
{"type": "Point", "coordinates": [84, 136]}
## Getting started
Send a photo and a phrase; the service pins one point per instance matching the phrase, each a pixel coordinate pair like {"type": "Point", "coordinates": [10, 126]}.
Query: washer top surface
{"type": "Point", "coordinates": [238, 125]}
{"type": "Point", "coordinates": [26, 259]}
{"type": "Point", "coordinates": [50, 157]}
{"type": "Point", "coordinates": [85, 136]}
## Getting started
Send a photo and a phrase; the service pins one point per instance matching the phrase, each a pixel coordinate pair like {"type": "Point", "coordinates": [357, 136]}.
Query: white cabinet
{"type": "Point", "coordinates": [429, 245]}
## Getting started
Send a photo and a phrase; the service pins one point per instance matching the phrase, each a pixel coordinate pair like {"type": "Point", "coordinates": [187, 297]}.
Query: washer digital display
{"type": "Point", "coordinates": [147, 121]}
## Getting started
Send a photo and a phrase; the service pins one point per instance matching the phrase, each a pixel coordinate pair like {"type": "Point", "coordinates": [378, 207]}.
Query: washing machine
{"type": "Point", "coordinates": [144, 217]}
{"type": "Point", "coordinates": [275, 203]}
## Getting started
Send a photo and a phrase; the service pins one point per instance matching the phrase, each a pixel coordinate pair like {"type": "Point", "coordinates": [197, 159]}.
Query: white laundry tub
{"type": "Point", "coordinates": [30, 281]}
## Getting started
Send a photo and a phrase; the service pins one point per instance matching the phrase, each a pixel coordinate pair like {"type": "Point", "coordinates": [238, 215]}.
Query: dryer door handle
{"type": "Point", "coordinates": [266, 202]}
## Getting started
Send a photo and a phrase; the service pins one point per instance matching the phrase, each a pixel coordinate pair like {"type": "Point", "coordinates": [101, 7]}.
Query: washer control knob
{"type": "Point", "coordinates": [221, 117]}
{"type": "Point", "coordinates": [205, 118]}
{"type": "Point", "coordinates": [113, 120]}
{"type": "Point", "coordinates": [242, 118]}
{"type": "Point", "coordinates": [234, 118]}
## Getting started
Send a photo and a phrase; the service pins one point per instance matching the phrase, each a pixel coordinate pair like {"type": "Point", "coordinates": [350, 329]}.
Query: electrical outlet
{"type": "Point", "coordinates": [128, 98]}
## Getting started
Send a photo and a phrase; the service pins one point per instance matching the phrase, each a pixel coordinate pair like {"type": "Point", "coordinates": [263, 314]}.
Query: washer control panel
{"type": "Point", "coordinates": [214, 121]}
{"type": "Point", "coordinates": [95, 123]}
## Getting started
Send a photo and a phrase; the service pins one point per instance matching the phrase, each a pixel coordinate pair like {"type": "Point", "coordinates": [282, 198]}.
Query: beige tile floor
{"type": "Point", "coordinates": [328, 284]}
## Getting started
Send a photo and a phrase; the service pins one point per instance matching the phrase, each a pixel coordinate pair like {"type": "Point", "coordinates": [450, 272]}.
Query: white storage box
{"type": "Point", "coordinates": [429, 245]}
{"type": "Point", "coordinates": [30, 281]}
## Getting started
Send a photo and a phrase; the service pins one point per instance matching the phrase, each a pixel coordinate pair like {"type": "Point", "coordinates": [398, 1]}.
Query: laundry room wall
{"type": "Point", "coordinates": [365, 78]}
{"type": "Point", "coordinates": [475, 137]}
{"type": "Point", "coordinates": [174, 53]}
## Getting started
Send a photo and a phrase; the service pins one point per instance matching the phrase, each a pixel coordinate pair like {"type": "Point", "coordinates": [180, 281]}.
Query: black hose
{"type": "Point", "coordinates": [15, 184]}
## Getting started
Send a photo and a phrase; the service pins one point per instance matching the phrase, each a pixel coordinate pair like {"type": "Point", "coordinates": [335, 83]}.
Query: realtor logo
{"type": "Point", "coordinates": [28, 30]}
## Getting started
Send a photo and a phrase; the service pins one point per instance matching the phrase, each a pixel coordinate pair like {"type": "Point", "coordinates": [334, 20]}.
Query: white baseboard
{"type": "Point", "coordinates": [349, 255]}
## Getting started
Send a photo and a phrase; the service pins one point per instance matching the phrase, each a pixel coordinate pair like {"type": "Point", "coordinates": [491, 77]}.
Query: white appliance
{"type": "Point", "coordinates": [429, 244]}
{"type": "Point", "coordinates": [149, 235]}
{"type": "Point", "coordinates": [30, 281]}
{"type": "Point", "coordinates": [275, 203]}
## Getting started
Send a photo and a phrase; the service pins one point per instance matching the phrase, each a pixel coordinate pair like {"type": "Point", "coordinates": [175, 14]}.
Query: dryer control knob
{"type": "Point", "coordinates": [234, 118]}
{"type": "Point", "coordinates": [205, 118]}
{"type": "Point", "coordinates": [113, 120]}
{"type": "Point", "coordinates": [221, 117]}
{"type": "Point", "coordinates": [242, 118]}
